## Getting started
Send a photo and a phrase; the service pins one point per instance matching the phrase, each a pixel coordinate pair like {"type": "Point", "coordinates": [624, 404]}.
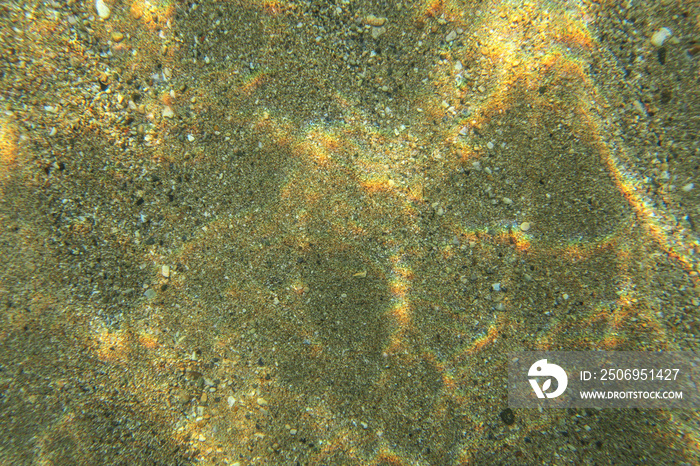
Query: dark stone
{"type": "Point", "coordinates": [508, 417]}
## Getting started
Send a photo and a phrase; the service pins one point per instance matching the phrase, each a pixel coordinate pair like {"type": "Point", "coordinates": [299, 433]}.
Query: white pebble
{"type": "Point", "coordinates": [525, 226]}
{"type": "Point", "coordinates": [102, 9]}
{"type": "Point", "coordinates": [660, 36]}
{"type": "Point", "coordinates": [489, 145]}
{"type": "Point", "coordinates": [168, 112]}
{"type": "Point", "coordinates": [165, 271]}
{"type": "Point", "coordinates": [496, 287]}
{"type": "Point", "coordinates": [689, 187]}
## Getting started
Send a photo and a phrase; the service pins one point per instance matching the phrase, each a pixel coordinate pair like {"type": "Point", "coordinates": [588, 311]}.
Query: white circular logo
{"type": "Point", "coordinates": [542, 369]}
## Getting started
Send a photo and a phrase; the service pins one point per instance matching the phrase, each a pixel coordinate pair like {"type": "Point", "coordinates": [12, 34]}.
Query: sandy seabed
{"type": "Point", "coordinates": [267, 232]}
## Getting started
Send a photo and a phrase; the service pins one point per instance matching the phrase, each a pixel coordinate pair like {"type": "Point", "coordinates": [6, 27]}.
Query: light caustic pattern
{"type": "Point", "coordinates": [361, 183]}
{"type": "Point", "coordinates": [558, 51]}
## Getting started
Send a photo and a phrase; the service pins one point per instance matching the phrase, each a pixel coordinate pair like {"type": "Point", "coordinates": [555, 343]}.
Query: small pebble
{"type": "Point", "coordinates": [117, 36]}
{"type": "Point", "coordinates": [525, 226]}
{"type": "Point", "coordinates": [262, 402]}
{"type": "Point", "coordinates": [689, 187]}
{"type": "Point", "coordinates": [377, 32]}
{"type": "Point", "coordinates": [231, 401]}
{"type": "Point", "coordinates": [102, 9]}
{"type": "Point", "coordinates": [168, 112]}
{"type": "Point", "coordinates": [150, 293]}
{"type": "Point", "coordinates": [507, 416]}
{"type": "Point", "coordinates": [375, 21]}
{"type": "Point", "coordinates": [165, 271]}
{"type": "Point", "coordinates": [181, 396]}
{"type": "Point", "coordinates": [660, 36]}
